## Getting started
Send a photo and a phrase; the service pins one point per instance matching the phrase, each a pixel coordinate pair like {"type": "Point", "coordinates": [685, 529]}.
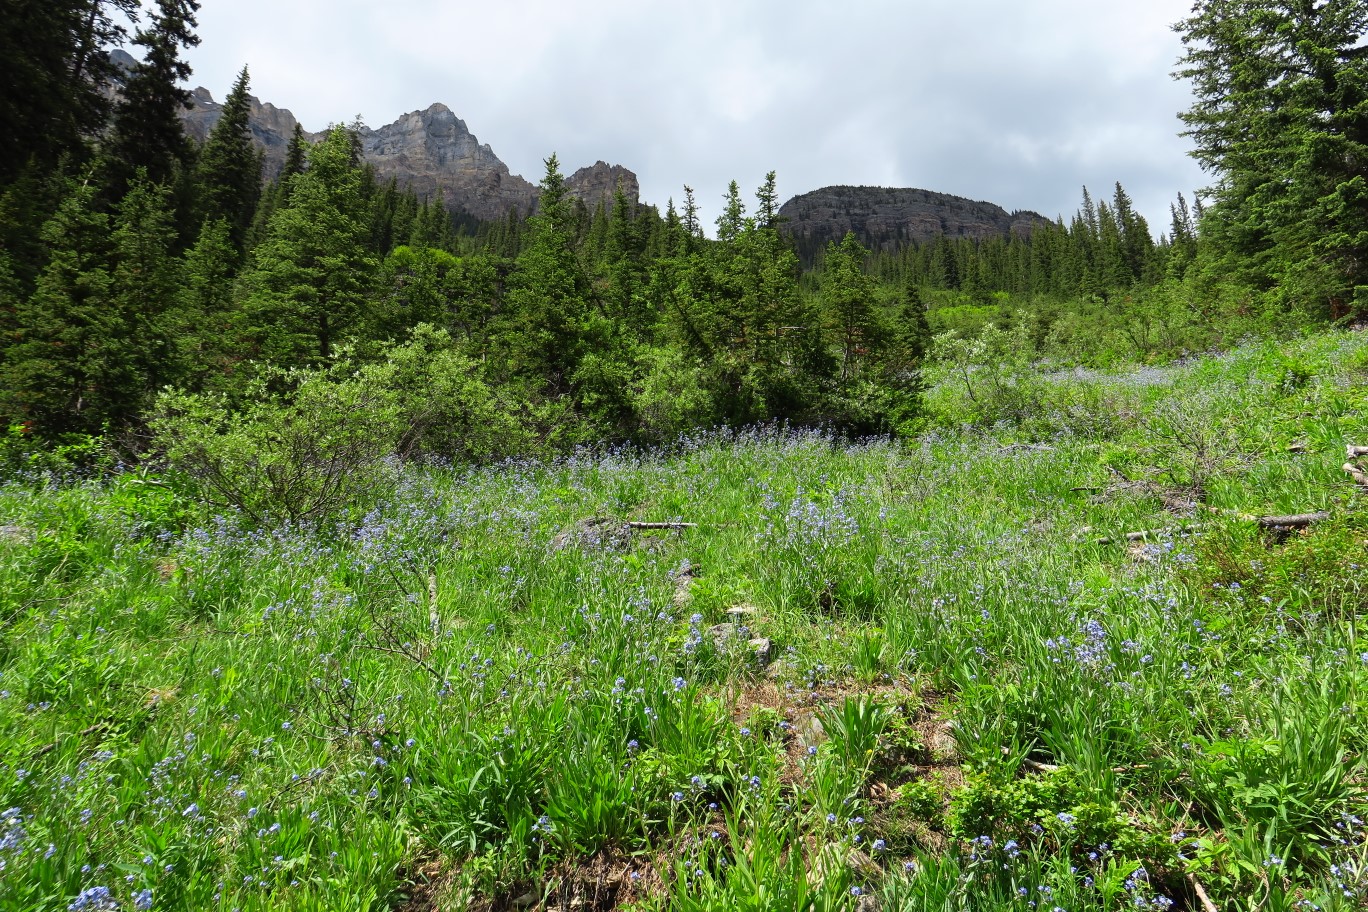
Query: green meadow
{"type": "Point", "coordinates": [751, 670]}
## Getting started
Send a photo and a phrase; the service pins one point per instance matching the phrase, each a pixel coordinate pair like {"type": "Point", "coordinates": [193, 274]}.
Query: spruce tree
{"type": "Point", "coordinates": [545, 334]}
{"type": "Point", "coordinates": [308, 282]}
{"type": "Point", "coordinates": [202, 323]}
{"type": "Point", "coordinates": [147, 281]}
{"type": "Point", "coordinates": [68, 368]}
{"type": "Point", "coordinates": [55, 68]}
{"type": "Point", "coordinates": [847, 294]}
{"type": "Point", "coordinates": [1280, 118]}
{"type": "Point", "coordinates": [229, 169]}
{"type": "Point", "coordinates": [147, 131]}
{"type": "Point", "coordinates": [911, 337]}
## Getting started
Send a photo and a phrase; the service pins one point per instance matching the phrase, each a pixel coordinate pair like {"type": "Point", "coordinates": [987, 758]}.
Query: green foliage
{"type": "Point", "coordinates": [307, 453]}
{"type": "Point", "coordinates": [309, 279]}
{"type": "Point", "coordinates": [670, 397]}
{"type": "Point", "coordinates": [146, 134]}
{"type": "Point", "coordinates": [990, 377]}
{"type": "Point", "coordinates": [313, 444]}
{"type": "Point", "coordinates": [54, 61]}
{"type": "Point", "coordinates": [478, 672]}
{"type": "Point", "coordinates": [446, 409]}
{"type": "Point", "coordinates": [65, 370]}
{"type": "Point", "coordinates": [228, 178]}
{"type": "Point", "coordinates": [1279, 118]}
{"type": "Point", "coordinates": [1056, 812]}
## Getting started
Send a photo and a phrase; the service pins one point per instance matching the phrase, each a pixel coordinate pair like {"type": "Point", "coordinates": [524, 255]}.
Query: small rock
{"type": "Point", "coordinates": [721, 635]}
{"type": "Point", "coordinates": [764, 650]}
{"type": "Point", "coordinates": [811, 733]}
{"type": "Point", "coordinates": [868, 903]}
{"type": "Point", "coordinates": [739, 610]}
{"type": "Point", "coordinates": [525, 900]}
{"type": "Point", "coordinates": [17, 534]}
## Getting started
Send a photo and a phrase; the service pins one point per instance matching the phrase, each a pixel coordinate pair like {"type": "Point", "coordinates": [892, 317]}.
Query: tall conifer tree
{"type": "Point", "coordinates": [308, 282]}
{"type": "Point", "coordinates": [147, 130]}
{"type": "Point", "coordinates": [229, 170]}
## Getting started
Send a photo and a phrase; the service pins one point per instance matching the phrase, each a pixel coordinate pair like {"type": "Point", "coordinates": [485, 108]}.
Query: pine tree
{"type": "Point", "coordinates": [147, 281]}
{"type": "Point", "coordinates": [912, 332]}
{"type": "Point", "coordinates": [767, 203]}
{"type": "Point", "coordinates": [847, 293]}
{"type": "Point", "coordinates": [1280, 117]}
{"type": "Point", "coordinates": [202, 324]}
{"type": "Point", "coordinates": [229, 170]}
{"type": "Point", "coordinates": [732, 221]}
{"type": "Point", "coordinates": [545, 331]}
{"type": "Point", "coordinates": [296, 154]}
{"type": "Point", "coordinates": [54, 66]}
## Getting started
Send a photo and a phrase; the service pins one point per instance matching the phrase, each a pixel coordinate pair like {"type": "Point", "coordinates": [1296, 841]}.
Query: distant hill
{"type": "Point", "coordinates": [884, 218]}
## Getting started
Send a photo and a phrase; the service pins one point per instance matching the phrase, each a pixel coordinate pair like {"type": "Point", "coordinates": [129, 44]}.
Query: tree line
{"type": "Point", "coordinates": [133, 259]}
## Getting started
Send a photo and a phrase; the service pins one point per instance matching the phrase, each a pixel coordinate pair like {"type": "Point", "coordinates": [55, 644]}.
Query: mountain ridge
{"type": "Point", "coordinates": [432, 151]}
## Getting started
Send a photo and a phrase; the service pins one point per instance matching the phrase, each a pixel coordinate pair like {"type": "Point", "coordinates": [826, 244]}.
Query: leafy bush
{"type": "Point", "coordinates": [988, 378]}
{"type": "Point", "coordinates": [307, 445]}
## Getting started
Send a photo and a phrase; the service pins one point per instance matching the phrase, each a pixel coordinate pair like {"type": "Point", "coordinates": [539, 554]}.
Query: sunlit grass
{"type": "Point", "coordinates": [488, 689]}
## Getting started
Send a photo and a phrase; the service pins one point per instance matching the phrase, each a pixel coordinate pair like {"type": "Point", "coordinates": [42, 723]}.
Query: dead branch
{"type": "Point", "coordinates": [1281, 523]}
{"type": "Point", "coordinates": [661, 525]}
{"type": "Point", "coordinates": [1295, 521]}
{"type": "Point", "coordinates": [1207, 904]}
{"type": "Point", "coordinates": [1356, 451]}
{"type": "Point", "coordinates": [1355, 473]}
{"type": "Point", "coordinates": [1039, 767]}
{"type": "Point", "coordinates": [434, 619]}
{"type": "Point", "coordinates": [1147, 534]}
{"type": "Point", "coordinates": [46, 749]}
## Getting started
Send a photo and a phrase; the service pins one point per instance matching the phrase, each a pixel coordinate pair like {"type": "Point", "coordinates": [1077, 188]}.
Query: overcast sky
{"type": "Point", "coordinates": [1018, 103]}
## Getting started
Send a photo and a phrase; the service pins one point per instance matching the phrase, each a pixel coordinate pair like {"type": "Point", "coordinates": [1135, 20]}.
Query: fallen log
{"type": "Point", "coordinates": [1295, 521]}
{"type": "Point", "coordinates": [1280, 523]}
{"type": "Point", "coordinates": [1147, 534]}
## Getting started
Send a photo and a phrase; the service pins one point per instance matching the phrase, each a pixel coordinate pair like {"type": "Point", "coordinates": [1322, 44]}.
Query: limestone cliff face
{"type": "Point", "coordinates": [271, 127]}
{"type": "Point", "coordinates": [430, 152]}
{"type": "Point", "coordinates": [886, 218]}
{"type": "Point", "coordinates": [600, 182]}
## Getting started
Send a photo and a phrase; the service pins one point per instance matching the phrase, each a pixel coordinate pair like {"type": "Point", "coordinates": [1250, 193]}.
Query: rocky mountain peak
{"type": "Point", "coordinates": [431, 152]}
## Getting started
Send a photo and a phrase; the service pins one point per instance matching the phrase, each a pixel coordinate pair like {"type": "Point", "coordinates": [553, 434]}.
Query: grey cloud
{"type": "Point", "coordinates": [1019, 104]}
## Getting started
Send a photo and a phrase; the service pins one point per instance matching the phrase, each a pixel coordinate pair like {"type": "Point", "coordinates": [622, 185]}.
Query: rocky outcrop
{"type": "Point", "coordinates": [430, 152]}
{"type": "Point", "coordinates": [600, 182]}
{"type": "Point", "coordinates": [886, 218]}
{"type": "Point", "coordinates": [433, 152]}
